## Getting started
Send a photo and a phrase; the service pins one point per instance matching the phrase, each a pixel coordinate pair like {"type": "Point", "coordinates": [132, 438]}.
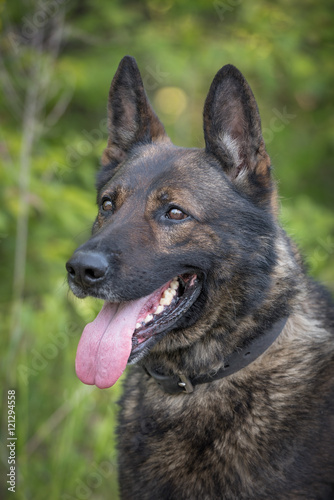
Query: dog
{"type": "Point", "coordinates": [230, 392]}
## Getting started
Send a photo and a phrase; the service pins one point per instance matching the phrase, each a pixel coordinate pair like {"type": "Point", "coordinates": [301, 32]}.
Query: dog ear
{"type": "Point", "coordinates": [131, 119]}
{"type": "Point", "coordinates": [232, 131]}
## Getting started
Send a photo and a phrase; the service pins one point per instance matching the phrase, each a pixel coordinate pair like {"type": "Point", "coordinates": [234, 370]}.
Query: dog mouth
{"type": "Point", "coordinates": [125, 332]}
{"type": "Point", "coordinates": [162, 312]}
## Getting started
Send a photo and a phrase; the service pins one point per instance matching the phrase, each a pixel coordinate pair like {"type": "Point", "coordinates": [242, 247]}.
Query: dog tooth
{"type": "Point", "coordinates": [159, 310]}
{"type": "Point", "coordinates": [148, 318]}
{"type": "Point", "coordinates": [167, 293]}
{"type": "Point", "coordinates": [138, 325]}
{"type": "Point", "coordinates": [174, 285]}
{"type": "Point", "coordinates": [166, 301]}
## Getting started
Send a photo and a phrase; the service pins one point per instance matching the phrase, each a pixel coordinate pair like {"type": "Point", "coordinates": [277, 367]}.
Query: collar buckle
{"type": "Point", "coordinates": [185, 384]}
{"type": "Point", "coordinates": [172, 384]}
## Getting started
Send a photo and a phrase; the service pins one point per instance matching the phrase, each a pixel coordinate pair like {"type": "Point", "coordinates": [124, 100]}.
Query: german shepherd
{"type": "Point", "coordinates": [231, 395]}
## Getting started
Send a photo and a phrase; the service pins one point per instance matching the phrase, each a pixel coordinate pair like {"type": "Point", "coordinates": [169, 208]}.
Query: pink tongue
{"type": "Point", "coordinates": [106, 343]}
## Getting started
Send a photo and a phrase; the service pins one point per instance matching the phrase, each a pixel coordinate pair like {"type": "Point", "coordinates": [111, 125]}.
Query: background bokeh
{"type": "Point", "coordinates": [56, 63]}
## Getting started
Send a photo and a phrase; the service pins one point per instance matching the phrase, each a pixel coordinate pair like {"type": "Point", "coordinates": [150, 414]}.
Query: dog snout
{"type": "Point", "coordinates": [86, 268]}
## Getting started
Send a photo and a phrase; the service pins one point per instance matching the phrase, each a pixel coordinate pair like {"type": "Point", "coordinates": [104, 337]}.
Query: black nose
{"type": "Point", "coordinates": [87, 268]}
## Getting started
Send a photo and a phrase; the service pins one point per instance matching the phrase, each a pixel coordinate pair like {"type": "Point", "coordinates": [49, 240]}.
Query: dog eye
{"type": "Point", "coordinates": [107, 205]}
{"type": "Point", "coordinates": [176, 214]}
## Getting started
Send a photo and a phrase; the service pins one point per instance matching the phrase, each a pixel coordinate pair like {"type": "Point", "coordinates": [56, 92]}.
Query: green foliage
{"type": "Point", "coordinates": [66, 430]}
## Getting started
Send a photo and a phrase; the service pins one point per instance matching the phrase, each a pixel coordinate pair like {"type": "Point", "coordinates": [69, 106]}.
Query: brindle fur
{"type": "Point", "coordinates": [266, 432]}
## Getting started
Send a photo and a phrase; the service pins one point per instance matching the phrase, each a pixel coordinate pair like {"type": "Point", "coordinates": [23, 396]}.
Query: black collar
{"type": "Point", "coordinates": [174, 384]}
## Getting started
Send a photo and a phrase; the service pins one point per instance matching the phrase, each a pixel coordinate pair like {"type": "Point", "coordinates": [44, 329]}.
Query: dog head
{"type": "Point", "coordinates": [175, 226]}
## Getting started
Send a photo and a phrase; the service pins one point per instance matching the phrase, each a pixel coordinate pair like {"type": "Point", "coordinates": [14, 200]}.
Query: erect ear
{"type": "Point", "coordinates": [131, 119]}
{"type": "Point", "coordinates": [232, 131]}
